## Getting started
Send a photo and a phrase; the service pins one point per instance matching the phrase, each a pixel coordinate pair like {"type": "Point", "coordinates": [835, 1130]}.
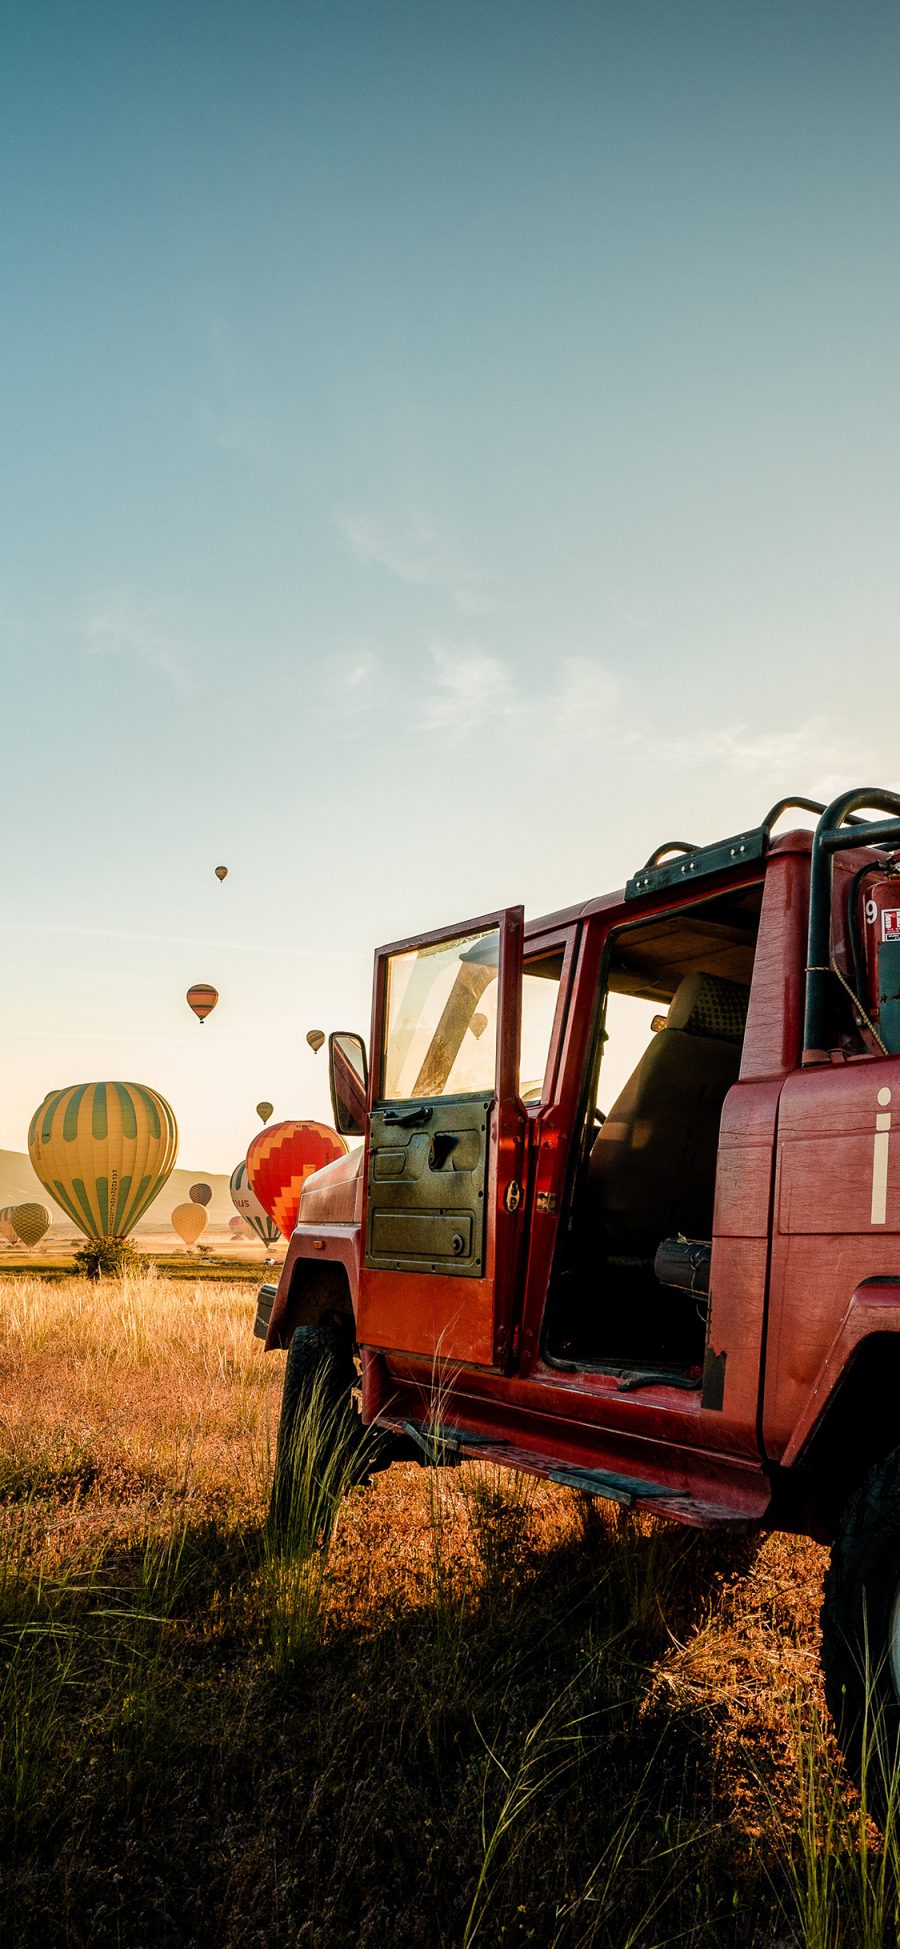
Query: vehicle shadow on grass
{"type": "Point", "coordinates": [497, 1765]}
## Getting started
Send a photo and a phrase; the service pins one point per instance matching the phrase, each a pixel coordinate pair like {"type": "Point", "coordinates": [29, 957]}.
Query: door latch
{"type": "Point", "coordinates": [421, 1114]}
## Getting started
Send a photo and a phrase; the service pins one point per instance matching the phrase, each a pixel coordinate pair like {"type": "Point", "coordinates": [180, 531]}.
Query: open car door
{"type": "Point", "coordinates": [445, 1142]}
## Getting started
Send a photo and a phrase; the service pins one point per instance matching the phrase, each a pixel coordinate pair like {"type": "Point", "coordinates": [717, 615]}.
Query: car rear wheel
{"type": "Point", "coordinates": [861, 1626]}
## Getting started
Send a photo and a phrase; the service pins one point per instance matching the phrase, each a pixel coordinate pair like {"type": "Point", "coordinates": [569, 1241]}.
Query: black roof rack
{"type": "Point", "coordinates": [698, 862]}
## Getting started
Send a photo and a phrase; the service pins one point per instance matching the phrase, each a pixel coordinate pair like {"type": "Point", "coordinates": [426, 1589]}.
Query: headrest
{"type": "Point", "coordinates": [706, 1004]}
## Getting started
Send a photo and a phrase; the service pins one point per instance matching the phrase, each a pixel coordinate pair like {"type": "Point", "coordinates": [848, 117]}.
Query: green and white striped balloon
{"type": "Point", "coordinates": [104, 1152]}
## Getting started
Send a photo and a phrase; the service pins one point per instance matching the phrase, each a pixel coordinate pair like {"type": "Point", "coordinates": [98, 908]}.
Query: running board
{"type": "Point", "coordinates": [706, 1504]}
{"type": "Point", "coordinates": [635, 1491]}
{"type": "Point", "coordinates": [626, 1489]}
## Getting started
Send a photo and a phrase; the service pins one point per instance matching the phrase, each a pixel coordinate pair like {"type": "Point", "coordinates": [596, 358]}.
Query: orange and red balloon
{"type": "Point", "coordinates": [282, 1157]}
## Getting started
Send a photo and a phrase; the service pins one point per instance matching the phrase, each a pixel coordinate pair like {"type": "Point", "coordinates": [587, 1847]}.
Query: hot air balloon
{"type": "Point", "coordinates": [237, 1226]}
{"type": "Point", "coordinates": [221, 872]}
{"type": "Point", "coordinates": [264, 1110]}
{"type": "Point", "coordinates": [7, 1228]}
{"type": "Point", "coordinates": [29, 1223]}
{"type": "Point", "coordinates": [190, 1221]}
{"type": "Point", "coordinates": [280, 1159]}
{"type": "Point", "coordinates": [103, 1151]}
{"type": "Point", "coordinates": [200, 1194]}
{"type": "Point", "coordinates": [315, 1038]}
{"type": "Point", "coordinates": [245, 1201]}
{"type": "Point", "coordinates": [202, 998]}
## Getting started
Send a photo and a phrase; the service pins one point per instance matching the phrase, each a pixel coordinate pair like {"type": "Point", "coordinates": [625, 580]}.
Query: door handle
{"type": "Point", "coordinates": [408, 1117]}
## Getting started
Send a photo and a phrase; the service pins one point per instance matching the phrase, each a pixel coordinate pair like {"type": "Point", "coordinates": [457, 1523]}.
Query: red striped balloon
{"type": "Point", "coordinates": [281, 1158]}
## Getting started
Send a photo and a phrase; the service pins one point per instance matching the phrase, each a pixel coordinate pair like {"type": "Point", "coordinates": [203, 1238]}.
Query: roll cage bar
{"type": "Point", "coordinates": [678, 861]}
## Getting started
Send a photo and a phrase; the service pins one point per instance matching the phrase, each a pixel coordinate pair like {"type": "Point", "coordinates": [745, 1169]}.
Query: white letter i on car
{"type": "Point", "coordinates": [880, 1151]}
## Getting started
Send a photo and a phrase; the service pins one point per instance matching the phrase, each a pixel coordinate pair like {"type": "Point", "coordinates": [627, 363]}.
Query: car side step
{"type": "Point", "coordinates": [441, 1446]}
{"type": "Point", "coordinates": [626, 1489]}
{"type": "Point", "coordinates": [706, 1504]}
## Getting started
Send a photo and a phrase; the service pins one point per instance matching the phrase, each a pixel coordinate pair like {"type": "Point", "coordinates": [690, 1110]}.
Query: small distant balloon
{"type": "Point", "coordinates": [315, 1038]}
{"type": "Point", "coordinates": [29, 1222]}
{"type": "Point", "coordinates": [264, 1110]}
{"type": "Point", "coordinates": [200, 1194]}
{"type": "Point", "coordinates": [248, 1206]}
{"type": "Point", "coordinates": [237, 1226]}
{"type": "Point", "coordinates": [202, 998]}
{"type": "Point", "coordinates": [7, 1228]}
{"type": "Point", "coordinates": [221, 872]}
{"type": "Point", "coordinates": [478, 1025]}
{"type": "Point", "coordinates": [189, 1222]}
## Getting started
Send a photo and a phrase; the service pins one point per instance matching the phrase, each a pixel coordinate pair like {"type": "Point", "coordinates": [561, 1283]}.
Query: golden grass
{"type": "Point", "coordinates": [510, 1716]}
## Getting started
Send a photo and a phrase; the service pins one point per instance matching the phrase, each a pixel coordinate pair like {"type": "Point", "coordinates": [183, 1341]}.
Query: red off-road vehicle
{"type": "Point", "coordinates": [687, 1299]}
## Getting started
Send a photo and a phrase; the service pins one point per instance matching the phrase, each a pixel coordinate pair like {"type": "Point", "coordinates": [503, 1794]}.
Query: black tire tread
{"type": "Point", "coordinates": [323, 1354]}
{"type": "Point", "coordinates": [872, 1514]}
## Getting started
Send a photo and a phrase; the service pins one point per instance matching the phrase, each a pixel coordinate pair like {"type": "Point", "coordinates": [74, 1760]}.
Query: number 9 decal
{"type": "Point", "coordinates": [871, 912]}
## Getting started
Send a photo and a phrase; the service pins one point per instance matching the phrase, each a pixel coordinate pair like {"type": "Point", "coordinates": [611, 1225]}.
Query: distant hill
{"type": "Point", "coordinates": [19, 1186]}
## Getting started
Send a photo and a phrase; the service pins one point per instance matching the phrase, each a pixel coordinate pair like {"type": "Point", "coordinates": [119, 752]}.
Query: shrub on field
{"type": "Point", "coordinates": [108, 1258]}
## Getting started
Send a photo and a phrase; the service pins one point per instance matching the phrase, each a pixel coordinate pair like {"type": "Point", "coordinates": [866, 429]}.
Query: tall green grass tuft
{"type": "Point", "coordinates": [843, 1855]}
{"type": "Point", "coordinates": [328, 1457]}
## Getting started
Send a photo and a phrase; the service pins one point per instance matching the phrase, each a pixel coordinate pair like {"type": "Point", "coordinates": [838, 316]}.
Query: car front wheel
{"type": "Point", "coordinates": [322, 1448]}
{"type": "Point", "coordinates": [861, 1625]}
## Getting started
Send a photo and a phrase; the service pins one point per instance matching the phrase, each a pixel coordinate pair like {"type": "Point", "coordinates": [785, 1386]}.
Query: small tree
{"type": "Point", "coordinates": [112, 1257]}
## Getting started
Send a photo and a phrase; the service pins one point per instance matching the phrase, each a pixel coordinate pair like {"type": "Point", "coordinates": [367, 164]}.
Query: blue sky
{"type": "Point", "coordinates": [447, 449]}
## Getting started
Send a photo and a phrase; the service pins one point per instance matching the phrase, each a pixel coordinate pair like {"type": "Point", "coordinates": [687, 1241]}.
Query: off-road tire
{"type": "Point", "coordinates": [319, 1364]}
{"type": "Point", "coordinates": [860, 1588]}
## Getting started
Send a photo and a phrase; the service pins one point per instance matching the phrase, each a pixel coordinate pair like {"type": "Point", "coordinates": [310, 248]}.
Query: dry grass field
{"type": "Point", "coordinates": [484, 1711]}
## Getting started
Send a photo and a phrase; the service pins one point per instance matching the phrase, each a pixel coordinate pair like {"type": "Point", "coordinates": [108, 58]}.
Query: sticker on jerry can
{"type": "Point", "coordinates": [890, 923]}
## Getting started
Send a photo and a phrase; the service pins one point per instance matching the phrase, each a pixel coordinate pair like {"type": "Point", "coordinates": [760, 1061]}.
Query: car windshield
{"type": "Point", "coordinates": [441, 1018]}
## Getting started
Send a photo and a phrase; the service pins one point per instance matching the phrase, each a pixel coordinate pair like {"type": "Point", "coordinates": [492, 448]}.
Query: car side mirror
{"type": "Point", "coordinates": [349, 1078]}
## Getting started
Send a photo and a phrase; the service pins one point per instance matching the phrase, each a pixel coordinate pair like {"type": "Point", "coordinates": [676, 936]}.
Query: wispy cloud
{"type": "Point", "coordinates": [815, 755]}
{"type": "Point", "coordinates": [469, 690]}
{"type": "Point", "coordinates": [409, 550]}
{"type": "Point", "coordinates": [121, 626]}
{"type": "Point", "coordinates": [354, 682]}
{"type": "Point", "coordinates": [463, 692]}
{"type": "Point", "coordinates": [415, 552]}
{"type": "Point", "coordinates": [583, 705]}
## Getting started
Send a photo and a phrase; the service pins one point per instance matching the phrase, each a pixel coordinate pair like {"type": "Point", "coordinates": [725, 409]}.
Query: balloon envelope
{"type": "Point", "coordinates": [237, 1226]}
{"type": "Point", "coordinates": [315, 1038]}
{"type": "Point", "coordinates": [264, 1110]}
{"type": "Point", "coordinates": [200, 1194]}
{"type": "Point", "coordinates": [104, 1152]}
{"type": "Point", "coordinates": [280, 1160]}
{"type": "Point", "coordinates": [221, 872]}
{"type": "Point", "coordinates": [245, 1201]}
{"type": "Point", "coordinates": [29, 1222]}
{"type": "Point", "coordinates": [189, 1221]}
{"type": "Point", "coordinates": [202, 998]}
